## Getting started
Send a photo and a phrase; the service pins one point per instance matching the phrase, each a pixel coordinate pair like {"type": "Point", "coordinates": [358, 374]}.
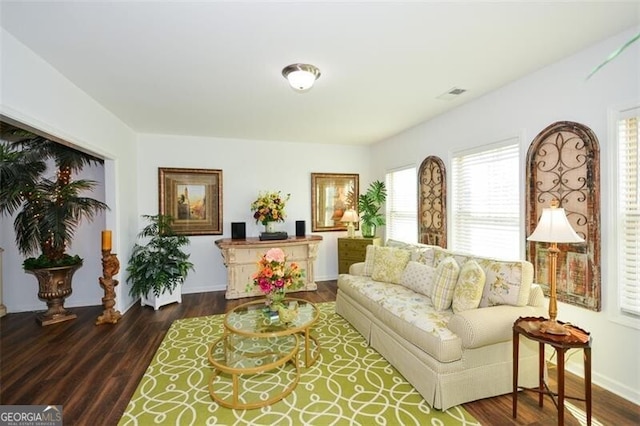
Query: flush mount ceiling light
{"type": "Point", "coordinates": [301, 76]}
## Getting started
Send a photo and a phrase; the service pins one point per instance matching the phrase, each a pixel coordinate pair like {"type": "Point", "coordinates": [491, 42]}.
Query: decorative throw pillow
{"type": "Point", "coordinates": [507, 283]}
{"type": "Point", "coordinates": [468, 289]}
{"type": "Point", "coordinates": [397, 244]}
{"type": "Point", "coordinates": [423, 254]}
{"type": "Point", "coordinates": [389, 263]}
{"type": "Point", "coordinates": [368, 260]}
{"type": "Point", "coordinates": [419, 278]}
{"type": "Point", "coordinates": [444, 283]}
{"type": "Point", "coordinates": [439, 254]}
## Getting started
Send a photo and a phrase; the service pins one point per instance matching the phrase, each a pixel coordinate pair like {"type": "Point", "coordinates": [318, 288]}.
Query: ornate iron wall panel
{"type": "Point", "coordinates": [432, 202]}
{"type": "Point", "coordinates": [563, 162]}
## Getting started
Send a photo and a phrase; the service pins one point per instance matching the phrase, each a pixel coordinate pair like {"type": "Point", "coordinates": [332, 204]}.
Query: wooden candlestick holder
{"type": "Point", "coordinates": [110, 267]}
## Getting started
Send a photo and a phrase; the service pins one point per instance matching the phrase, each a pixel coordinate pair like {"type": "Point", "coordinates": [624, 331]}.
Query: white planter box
{"type": "Point", "coordinates": [165, 298]}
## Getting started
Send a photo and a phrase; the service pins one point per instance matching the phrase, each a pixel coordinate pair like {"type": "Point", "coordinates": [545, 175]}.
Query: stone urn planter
{"type": "Point", "coordinates": [54, 286]}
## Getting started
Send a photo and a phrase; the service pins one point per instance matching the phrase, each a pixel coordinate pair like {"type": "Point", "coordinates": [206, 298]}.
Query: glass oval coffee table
{"type": "Point", "coordinates": [263, 351]}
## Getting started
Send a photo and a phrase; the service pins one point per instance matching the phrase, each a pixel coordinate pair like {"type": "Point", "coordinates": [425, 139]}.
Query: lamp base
{"type": "Point", "coordinates": [552, 326]}
{"type": "Point", "coordinates": [351, 230]}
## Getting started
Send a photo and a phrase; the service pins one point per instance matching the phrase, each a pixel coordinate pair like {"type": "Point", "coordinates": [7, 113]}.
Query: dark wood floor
{"type": "Point", "coordinates": [93, 370]}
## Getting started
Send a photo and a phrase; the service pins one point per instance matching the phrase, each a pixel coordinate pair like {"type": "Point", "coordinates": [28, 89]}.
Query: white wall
{"type": "Point", "coordinates": [524, 108]}
{"type": "Point", "coordinates": [248, 167]}
{"type": "Point", "coordinates": [37, 95]}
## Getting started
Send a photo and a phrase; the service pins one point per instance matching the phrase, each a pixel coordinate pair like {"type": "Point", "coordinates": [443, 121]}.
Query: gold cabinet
{"type": "Point", "coordinates": [353, 250]}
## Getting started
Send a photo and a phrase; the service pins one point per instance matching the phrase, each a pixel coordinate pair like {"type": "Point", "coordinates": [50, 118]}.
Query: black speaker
{"type": "Point", "coordinates": [238, 230]}
{"type": "Point", "coordinates": [300, 228]}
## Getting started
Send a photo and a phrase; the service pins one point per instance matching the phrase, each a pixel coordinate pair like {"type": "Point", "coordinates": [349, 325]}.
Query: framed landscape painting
{"type": "Point", "coordinates": [331, 195]}
{"type": "Point", "coordinates": [193, 197]}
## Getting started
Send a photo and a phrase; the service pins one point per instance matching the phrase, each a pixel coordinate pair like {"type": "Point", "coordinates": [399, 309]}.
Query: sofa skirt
{"type": "Point", "coordinates": [480, 373]}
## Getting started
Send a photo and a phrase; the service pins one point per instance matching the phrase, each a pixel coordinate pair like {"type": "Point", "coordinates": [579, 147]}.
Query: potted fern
{"type": "Point", "coordinates": [369, 205]}
{"type": "Point", "coordinates": [50, 207]}
{"type": "Point", "coordinates": [158, 268]}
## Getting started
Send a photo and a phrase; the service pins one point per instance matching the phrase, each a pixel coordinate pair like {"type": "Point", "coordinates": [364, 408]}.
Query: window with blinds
{"type": "Point", "coordinates": [402, 205]}
{"type": "Point", "coordinates": [628, 212]}
{"type": "Point", "coordinates": [485, 210]}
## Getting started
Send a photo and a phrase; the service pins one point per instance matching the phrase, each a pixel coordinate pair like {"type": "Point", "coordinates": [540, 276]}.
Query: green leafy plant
{"type": "Point", "coordinates": [369, 205]}
{"type": "Point", "coordinates": [50, 209]}
{"type": "Point", "coordinates": [160, 264]}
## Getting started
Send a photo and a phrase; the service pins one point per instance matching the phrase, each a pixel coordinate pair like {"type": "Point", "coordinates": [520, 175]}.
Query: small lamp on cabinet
{"type": "Point", "coordinates": [350, 216]}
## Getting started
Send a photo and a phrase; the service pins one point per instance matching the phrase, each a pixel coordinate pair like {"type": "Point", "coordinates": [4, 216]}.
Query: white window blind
{"type": "Point", "coordinates": [628, 212]}
{"type": "Point", "coordinates": [485, 201]}
{"type": "Point", "coordinates": [402, 205]}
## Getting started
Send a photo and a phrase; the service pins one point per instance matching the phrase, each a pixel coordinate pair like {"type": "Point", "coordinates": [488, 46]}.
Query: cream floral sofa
{"type": "Point", "coordinates": [443, 319]}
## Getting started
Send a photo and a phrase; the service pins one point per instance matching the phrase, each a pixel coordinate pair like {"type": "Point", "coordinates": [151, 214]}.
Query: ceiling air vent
{"type": "Point", "coordinates": [451, 94]}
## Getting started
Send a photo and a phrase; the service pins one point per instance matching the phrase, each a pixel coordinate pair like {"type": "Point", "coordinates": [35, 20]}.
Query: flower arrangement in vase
{"type": "Point", "coordinates": [269, 208]}
{"type": "Point", "coordinates": [274, 277]}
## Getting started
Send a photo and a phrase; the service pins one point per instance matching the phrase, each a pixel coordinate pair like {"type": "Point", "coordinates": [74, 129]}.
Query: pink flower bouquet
{"type": "Point", "coordinates": [274, 277]}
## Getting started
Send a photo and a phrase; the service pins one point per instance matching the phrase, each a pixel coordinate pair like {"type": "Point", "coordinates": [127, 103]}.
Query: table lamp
{"type": "Point", "coordinates": [350, 216]}
{"type": "Point", "coordinates": [554, 228]}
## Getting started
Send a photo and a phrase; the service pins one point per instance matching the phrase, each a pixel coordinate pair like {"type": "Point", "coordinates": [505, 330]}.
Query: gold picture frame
{"type": "Point", "coordinates": [331, 195]}
{"type": "Point", "coordinates": [193, 197]}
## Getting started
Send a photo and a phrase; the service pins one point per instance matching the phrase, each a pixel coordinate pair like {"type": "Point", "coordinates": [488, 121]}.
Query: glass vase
{"type": "Point", "coordinates": [275, 299]}
{"type": "Point", "coordinates": [368, 230]}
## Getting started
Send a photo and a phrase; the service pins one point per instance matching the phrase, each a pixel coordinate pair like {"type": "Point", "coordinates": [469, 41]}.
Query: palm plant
{"type": "Point", "coordinates": [49, 209]}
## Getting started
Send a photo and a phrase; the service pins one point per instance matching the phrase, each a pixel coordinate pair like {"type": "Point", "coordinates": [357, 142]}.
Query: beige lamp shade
{"type": "Point", "coordinates": [554, 227]}
{"type": "Point", "coordinates": [350, 216]}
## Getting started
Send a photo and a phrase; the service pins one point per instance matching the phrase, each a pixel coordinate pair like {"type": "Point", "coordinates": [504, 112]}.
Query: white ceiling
{"type": "Point", "coordinates": [213, 68]}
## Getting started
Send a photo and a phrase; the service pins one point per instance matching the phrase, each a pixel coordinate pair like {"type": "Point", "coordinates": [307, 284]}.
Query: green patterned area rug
{"type": "Point", "coordinates": [349, 384]}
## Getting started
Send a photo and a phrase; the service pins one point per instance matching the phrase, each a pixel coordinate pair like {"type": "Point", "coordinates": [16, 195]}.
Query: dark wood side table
{"type": "Point", "coordinates": [529, 327]}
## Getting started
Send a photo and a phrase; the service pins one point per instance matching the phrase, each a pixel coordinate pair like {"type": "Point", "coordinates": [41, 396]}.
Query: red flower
{"type": "Point", "coordinates": [274, 274]}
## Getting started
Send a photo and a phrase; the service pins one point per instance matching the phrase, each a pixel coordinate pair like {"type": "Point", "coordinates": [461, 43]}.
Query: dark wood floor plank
{"type": "Point", "coordinates": [94, 370]}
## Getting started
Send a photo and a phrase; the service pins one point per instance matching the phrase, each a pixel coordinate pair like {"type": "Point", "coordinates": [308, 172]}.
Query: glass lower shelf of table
{"type": "Point", "coordinates": [252, 372]}
{"type": "Point", "coordinates": [253, 319]}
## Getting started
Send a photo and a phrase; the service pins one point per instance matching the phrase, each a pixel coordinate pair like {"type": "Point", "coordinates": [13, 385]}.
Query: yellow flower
{"type": "Point", "coordinates": [269, 207]}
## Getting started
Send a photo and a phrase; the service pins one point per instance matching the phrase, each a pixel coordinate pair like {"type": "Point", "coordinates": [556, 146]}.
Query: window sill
{"type": "Point", "coordinates": [626, 320]}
